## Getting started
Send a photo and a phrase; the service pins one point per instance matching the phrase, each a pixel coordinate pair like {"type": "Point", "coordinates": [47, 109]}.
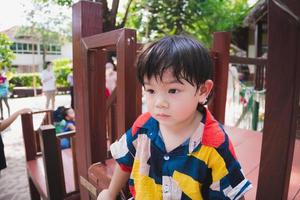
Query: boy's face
{"type": "Point", "coordinates": [171, 102]}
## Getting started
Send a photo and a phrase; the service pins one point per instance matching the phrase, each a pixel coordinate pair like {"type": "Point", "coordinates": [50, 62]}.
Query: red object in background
{"type": "Point", "coordinates": [2, 79]}
{"type": "Point", "coordinates": [107, 93]}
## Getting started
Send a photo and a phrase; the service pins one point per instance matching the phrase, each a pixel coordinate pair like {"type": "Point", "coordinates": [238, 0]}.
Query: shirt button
{"type": "Point", "coordinates": [166, 157]}
{"type": "Point", "coordinates": [166, 189]}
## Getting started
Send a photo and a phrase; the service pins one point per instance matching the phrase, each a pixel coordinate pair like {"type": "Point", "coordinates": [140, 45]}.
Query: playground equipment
{"type": "Point", "coordinates": [50, 170]}
{"type": "Point", "coordinates": [278, 138]}
{"type": "Point", "coordinates": [267, 158]}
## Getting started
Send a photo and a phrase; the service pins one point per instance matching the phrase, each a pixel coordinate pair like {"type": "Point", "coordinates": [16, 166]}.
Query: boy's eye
{"type": "Point", "coordinates": [173, 91]}
{"type": "Point", "coordinates": [150, 91]}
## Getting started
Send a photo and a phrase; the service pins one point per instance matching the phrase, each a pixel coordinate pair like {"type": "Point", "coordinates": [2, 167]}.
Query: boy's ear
{"type": "Point", "coordinates": [205, 90]}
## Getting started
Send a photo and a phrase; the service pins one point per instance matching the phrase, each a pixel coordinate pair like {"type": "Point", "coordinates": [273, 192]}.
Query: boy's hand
{"type": "Point", "coordinates": [105, 195]}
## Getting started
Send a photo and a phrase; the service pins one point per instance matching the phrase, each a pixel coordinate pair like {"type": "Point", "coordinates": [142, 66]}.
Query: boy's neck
{"type": "Point", "coordinates": [175, 136]}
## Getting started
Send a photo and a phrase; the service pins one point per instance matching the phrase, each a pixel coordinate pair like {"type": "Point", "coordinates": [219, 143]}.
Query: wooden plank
{"type": "Point", "coordinates": [37, 181]}
{"type": "Point", "coordinates": [282, 97]}
{"type": "Point", "coordinates": [28, 136]}
{"type": "Point", "coordinates": [87, 21]}
{"type": "Point", "coordinates": [68, 170]}
{"type": "Point", "coordinates": [248, 61]}
{"type": "Point", "coordinates": [54, 174]}
{"type": "Point", "coordinates": [36, 171]}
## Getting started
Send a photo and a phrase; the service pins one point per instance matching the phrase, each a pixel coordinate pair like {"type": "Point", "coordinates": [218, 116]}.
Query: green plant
{"type": "Point", "coordinates": [62, 68]}
{"type": "Point", "coordinates": [6, 54]}
{"type": "Point", "coordinates": [25, 80]}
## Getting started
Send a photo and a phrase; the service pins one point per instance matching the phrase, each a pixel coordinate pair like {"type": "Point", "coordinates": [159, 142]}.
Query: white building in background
{"type": "Point", "coordinates": [29, 54]}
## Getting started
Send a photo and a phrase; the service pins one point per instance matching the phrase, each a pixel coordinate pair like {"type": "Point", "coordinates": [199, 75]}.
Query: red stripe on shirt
{"type": "Point", "coordinates": [139, 122]}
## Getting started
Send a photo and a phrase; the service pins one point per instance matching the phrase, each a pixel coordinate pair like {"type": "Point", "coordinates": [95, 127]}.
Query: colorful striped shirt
{"type": "Point", "coordinates": [204, 167]}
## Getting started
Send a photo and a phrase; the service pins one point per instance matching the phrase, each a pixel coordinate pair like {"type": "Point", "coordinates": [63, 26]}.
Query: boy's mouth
{"type": "Point", "coordinates": [161, 115]}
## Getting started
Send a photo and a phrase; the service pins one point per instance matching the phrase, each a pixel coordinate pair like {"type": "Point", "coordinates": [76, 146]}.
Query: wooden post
{"type": "Point", "coordinates": [28, 136]}
{"type": "Point", "coordinates": [282, 100]}
{"type": "Point", "coordinates": [87, 21]}
{"type": "Point", "coordinates": [128, 105]}
{"type": "Point", "coordinates": [221, 46]}
{"type": "Point", "coordinates": [55, 181]}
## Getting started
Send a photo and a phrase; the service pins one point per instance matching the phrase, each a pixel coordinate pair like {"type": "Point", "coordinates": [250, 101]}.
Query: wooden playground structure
{"type": "Point", "coordinates": [268, 159]}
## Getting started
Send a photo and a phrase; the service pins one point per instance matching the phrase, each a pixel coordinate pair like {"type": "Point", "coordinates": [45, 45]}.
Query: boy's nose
{"type": "Point", "coordinates": [161, 103]}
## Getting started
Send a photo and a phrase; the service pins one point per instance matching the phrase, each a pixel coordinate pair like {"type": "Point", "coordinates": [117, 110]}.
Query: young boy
{"type": "Point", "coordinates": [69, 117]}
{"type": "Point", "coordinates": [177, 150]}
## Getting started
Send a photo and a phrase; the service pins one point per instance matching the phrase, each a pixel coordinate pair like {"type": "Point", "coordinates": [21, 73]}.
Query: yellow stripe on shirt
{"type": "Point", "coordinates": [188, 185]}
{"type": "Point", "coordinates": [213, 160]}
{"type": "Point", "coordinates": [145, 187]}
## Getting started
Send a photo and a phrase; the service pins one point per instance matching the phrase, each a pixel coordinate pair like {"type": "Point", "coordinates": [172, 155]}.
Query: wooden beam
{"type": "Point", "coordinates": [248, 61]}
{"type": "Point", "coordinates": [282, 98]}
{"type": "Point", "coordinates": [102, 40]}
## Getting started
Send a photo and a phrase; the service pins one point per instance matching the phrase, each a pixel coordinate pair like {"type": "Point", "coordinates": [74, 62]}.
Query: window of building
{"type": "Point", "coordinates": [23, 48]}
{"type": "Point", "coordinates": [26, 48]}
{"type": "Point", "coordinates": [52, 49]}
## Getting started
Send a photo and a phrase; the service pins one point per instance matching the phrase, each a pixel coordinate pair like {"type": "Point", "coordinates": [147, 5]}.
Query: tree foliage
{"type": "Point", "coordinates": [200, 18]}
{"type": "Point", "coordinates": [109, 14]}
{"type": "Point", "coordinates": [6, 54]}
{"type": "Point", "coordinates": [157, 18]}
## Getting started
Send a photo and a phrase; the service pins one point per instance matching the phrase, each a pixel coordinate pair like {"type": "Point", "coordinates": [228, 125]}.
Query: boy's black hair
{"type": "Point", "coordinates": [188, 59]}
{"type": "Point", "coordinates": [60, 113]}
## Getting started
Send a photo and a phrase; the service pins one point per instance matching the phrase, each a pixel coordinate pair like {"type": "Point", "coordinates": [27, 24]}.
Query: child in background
{"type": "Point", "coordinates": [177, 150]}
{"type": "Point", "coordinates": [69, 117]}
{"type": "Point", "coordinates": [64, 121]}
{"type": "Point", "coordinates": [4, 94]}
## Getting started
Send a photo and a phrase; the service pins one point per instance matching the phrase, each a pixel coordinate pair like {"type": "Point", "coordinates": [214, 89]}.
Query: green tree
{"type": "Point", "coordinates": [200, 18]}
{"type": "Point", "coordinates": [157, 18]}
{"type": "Point", "coordinates": [62, 68]}
{"type": "Point", "coordinates": [110, 13]}
{"type": "Point", "coordinates": [6, 54]}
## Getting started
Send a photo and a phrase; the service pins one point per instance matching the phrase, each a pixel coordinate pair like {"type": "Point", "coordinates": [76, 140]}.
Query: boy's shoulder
{"type": "Point", "coordinates": [215, 136]}
{"type": "Point", "coordinates": [140, 122]}
{"type": "Point", "coordinates": [213, 133]}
